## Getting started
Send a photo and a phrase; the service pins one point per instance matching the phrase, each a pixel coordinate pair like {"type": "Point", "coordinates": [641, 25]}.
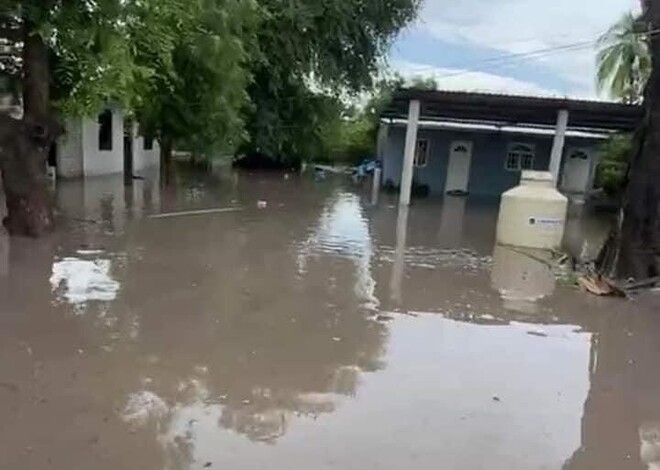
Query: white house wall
{"type": "Point", "coordinates": [78, 152]}
{"type": "Point", "coordinates": [70, 150]}
{"type": "Point", "coordinates": [103, 162]}
{"type": "Point", "coordinates": [144, 159]}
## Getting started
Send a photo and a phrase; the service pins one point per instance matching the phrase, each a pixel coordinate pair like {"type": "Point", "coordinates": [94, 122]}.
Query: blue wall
{"type": "Point", "coordinates": [488, 177]}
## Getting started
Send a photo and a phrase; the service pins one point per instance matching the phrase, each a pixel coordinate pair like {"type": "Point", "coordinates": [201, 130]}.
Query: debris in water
{"type": "Point", "coordinates": [497, 399]}
{"type": "Point", "coordinates": [336, 339]}
{"type": "Point", "coordinates": [208, 464]}
{"type": "Point", "coordinates": [89, 252]}
{"type": "Point", "coordinates": [262, 204]}
{"type": "Point", "coordinates": [198, 212]}
{"type": "Point", "coordinates": [384, 318]}
{"type": "Point", "coordinates": [537, 333]}
{"type": "Point", "coordinates": [600, 286]}
{"type": "Point", "coordinates": [646, 283]}
{"type": "Point", "coordinates": [142, 407]}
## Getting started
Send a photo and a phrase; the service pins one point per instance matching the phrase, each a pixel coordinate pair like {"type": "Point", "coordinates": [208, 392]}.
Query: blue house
{"type": "Point", "coordinates": [478, 144]}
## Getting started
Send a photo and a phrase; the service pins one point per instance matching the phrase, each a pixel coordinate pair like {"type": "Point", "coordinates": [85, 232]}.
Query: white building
{"type": "Point", "coordinates": [102, 146]}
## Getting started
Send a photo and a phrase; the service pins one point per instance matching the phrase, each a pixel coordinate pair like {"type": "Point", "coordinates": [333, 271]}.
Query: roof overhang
{"type": "Point", "coordinates": [541, 131]}
{"type": "Point", "coordinates": [506, 110]}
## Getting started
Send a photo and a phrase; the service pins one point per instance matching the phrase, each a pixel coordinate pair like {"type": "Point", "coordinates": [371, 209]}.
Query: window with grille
{"type": "Point", "coordinates": [519, 157]}
{"type": "Point", "coordinates": [422, 153]}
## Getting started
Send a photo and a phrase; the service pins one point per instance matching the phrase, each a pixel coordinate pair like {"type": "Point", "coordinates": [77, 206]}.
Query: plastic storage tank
{"type": "Point", "coordinates": [533, 215]}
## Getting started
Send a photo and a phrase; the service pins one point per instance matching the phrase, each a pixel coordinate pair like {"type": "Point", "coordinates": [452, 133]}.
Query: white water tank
{"type": "Point", "coordinates": [533, 215]}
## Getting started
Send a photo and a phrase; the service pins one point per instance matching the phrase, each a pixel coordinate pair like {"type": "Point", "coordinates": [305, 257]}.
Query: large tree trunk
{"type": "Point", "coordinates": [633, 249]}
{"type": "Point", "coordinates": [22, 161]}
{"type": "Point", "coordinates": [24, 146]}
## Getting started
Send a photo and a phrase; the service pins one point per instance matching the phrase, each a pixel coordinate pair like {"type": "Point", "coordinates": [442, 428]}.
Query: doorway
{"type": "Point", "coordinates": [458, 169]}
{"type": "Point", "coordinates": [128, 151]}
{"type": "Point", "coordinates": [575, 178]}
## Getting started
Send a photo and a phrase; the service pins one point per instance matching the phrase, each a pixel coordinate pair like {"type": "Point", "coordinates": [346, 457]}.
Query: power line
{"type": "Point", "coordinates": [508, 59]}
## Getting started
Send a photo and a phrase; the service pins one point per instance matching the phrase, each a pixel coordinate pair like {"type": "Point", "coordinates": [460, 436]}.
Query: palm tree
{"type": "Point", "coordinates": [624, 61]}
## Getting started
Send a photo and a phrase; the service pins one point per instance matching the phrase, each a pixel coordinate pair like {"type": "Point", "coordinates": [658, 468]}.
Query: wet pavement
{"type": "Point", "coordinates": [308, 329]}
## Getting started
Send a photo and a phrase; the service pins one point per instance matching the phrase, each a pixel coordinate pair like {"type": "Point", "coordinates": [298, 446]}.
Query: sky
{"type": "Point", "coordinates": [484, 45]}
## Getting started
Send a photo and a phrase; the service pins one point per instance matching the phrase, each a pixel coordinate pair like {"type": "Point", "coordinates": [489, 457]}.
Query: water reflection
{"type": "Point", "coordinates": [522, 277]}
{"type": "Point", "coordinates": [78, 281]}
{"type": "Point", "coordinates": [450, 232]}
{"type": "Point", "coordinates": [399, 254]}
{"type": "Point", "coordinates": [4, 253]}
{"type": "Point", "coordinates": [343, 231]}
{"type": "Point", "coordinates": [266, 339]}
{"type": "Point", "coordinates": [622, 411]}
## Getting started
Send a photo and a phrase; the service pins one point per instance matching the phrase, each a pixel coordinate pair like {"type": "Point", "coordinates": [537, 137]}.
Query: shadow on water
{"type": "Point", "coordinates": [308, 328]}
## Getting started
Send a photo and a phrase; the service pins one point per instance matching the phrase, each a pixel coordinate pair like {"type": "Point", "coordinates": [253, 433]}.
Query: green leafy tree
{"type": "Point", "coordinates": [356, 136]}
{"type": "Point", "coordinates": [46, 36]}
{"type": "Point", "coordinates": [195, 97]}
{"type": "Point", "coordinates": [310, 49]}
{"type": "Point", "coordinates": [624, 61]}
{"type": "Point", "coordinates": [177, 64]}
{"type": "Point", "coordinates": [611, 172]}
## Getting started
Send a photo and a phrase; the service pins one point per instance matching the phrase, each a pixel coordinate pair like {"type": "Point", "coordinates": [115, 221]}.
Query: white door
{"type": "Point", "coordinates": [458, 170]}
{"type": "Point", "coordinates": [575, 177]}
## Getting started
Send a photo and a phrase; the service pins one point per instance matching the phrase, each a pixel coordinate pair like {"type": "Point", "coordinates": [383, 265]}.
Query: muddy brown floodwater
{"type": "Point", "coordinates": [310, 332]}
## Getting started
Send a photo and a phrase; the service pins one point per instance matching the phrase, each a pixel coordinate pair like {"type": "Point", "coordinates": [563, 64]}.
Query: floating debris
{"type": "Point", "coordinates": [197, 212]}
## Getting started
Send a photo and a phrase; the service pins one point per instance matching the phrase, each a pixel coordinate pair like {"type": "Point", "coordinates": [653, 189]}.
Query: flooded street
{"type": "Point", "coordinates": [308, 329]}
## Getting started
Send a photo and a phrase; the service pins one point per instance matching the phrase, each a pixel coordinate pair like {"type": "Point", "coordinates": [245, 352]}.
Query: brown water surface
{"type": "Point", "coordinates": [310, 332]}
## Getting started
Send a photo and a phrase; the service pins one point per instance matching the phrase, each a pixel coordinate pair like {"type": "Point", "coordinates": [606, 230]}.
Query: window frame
{"type": "Point", "coordinates": [147, 142]}
{"type": "Point", "coordinates": [574, 150]}
{"type": "Point", "coordinates": [519, 167]}
{"type": "Point", "coordinates": [426, 156]}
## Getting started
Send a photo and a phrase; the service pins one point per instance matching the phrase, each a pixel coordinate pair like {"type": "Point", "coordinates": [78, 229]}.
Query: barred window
{"type": "Point", "coordinates": [520, 157]}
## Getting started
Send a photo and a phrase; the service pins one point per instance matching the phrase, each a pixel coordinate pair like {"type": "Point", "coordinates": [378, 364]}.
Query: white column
{"type": "Point", "coordinates": [558, 144]}
{"type": "Point", "coordinates": [409, 154]}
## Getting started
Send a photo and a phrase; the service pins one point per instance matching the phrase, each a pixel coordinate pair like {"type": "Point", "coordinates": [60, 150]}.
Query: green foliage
{"type": "Point", "coordinates": [334, 47]}
{"type": "Point", "coordinates": [210, 75]}
{"type": "Point", "coordinates": [195, 97]}
{"type": "Point", "coordinates": [423, 83]}
{"type": "Point", "coordinates": [352, 137]}
{"type": "Point", "coordinates": [624, 61]}
{"type": "Point", "coordinates": [10, 60]}
{"type": "Point", "coordinates": [611, 171]}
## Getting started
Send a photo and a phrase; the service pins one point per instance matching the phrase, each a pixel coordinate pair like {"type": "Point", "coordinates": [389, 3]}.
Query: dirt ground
{"type": "Point", "coordinates": [307, 329]}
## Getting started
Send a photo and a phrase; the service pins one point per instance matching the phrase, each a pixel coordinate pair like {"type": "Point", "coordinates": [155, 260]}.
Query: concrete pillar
{"type": "Point", "coordinates": [409, 154]}
{"type": "Point", "coordinates": [558, 144]}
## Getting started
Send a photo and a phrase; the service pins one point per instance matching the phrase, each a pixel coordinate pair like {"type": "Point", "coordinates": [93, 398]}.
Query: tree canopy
{"type": "Point", "coordinates": [310, 54]}
{"type": "Point", "coordinates": [209, 75]}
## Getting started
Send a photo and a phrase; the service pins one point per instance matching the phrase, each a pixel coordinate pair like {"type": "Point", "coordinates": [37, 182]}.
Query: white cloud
{"type": "Point", "coordinates": [520, 26]}
{"type": "Point", "coordinates": [466, 80]}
